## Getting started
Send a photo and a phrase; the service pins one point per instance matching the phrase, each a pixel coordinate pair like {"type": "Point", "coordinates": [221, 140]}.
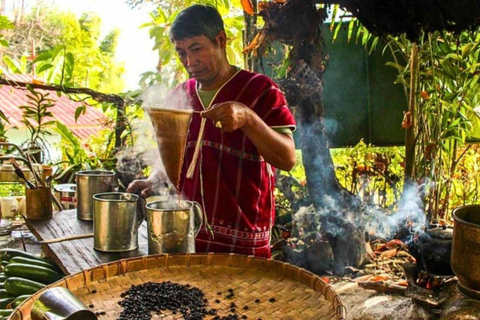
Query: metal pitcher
{"type": "Point", "coordinates": [117, 216]}
{"type": "Point", "coordinates": [91, 182]}
{"type": "Point", "coordinates": [173, 226]}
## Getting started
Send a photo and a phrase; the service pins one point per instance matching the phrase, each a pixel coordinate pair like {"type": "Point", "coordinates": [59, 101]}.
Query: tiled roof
{"type": "Point", "coordinates": [12, 97]}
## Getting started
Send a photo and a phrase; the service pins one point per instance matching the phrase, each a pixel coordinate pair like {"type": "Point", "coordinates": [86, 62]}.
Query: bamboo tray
{"type": "Point", "coordinates": [299, 294]}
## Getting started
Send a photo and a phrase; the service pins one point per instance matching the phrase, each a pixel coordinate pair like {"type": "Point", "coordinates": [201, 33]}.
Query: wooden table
{"type": "Point", "coordinates": [76, 255]}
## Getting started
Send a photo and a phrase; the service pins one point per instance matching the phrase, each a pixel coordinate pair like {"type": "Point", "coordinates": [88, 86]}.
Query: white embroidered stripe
{"type": "Point", "coordinates": [239, 234]}
{"type": "Point", "coordinates": [232, 246]}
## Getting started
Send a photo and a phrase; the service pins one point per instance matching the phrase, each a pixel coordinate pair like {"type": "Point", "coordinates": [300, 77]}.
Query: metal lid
{"type": "Point", "coordinates": [440, 232]}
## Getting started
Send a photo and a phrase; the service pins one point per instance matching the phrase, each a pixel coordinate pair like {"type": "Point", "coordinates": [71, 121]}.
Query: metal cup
{"type": "Point", "coordinates": [173, 226]}
{"type": "Point", "coordinates": [91, 182]}
{"type": "Point", "coordinates": [117, 217]}
{"type": "Point", "coordinates": [38, 203]}
{"type": "Point", "coordinates": [59, 303]}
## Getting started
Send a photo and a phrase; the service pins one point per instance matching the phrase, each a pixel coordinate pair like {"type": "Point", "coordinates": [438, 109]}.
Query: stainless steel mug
{"type": "Point", "coordinates": [59, 303]}
{"type": "Point", "coordinates": [90, 182]}
{"type": "Point", "coordinates": [117, 217]}
{"type": "Point", "coordinates": [173, 226]}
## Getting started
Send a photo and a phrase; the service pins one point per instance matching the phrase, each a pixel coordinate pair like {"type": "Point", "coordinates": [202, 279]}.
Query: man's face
{"type": "Point", "coordinates": [201, 57]}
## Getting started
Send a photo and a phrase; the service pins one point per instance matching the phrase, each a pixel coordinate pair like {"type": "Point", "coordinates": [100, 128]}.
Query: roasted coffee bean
{"type": "Point", "coordinates": [94, 291]}
{"type": "Point", "coordinates": [271, 300]}
{"type": "Point", "coordinates": [91, 306]}
{"type": "Point", "coordinates": [245, 307]}
{"type": "Point", "coordinates": [257, 300]}
{"type": "Point", "coordinates": [141, 300]}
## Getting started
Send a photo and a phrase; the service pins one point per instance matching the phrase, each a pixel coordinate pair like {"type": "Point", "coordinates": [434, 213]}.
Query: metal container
{"type": "Point", "coordinates": [91, 182]}
{"type": "Point", "coordinates": [466, 249]}
{"type": "Point", "coordinates": [173, 226]}
{"type": "Point", "coordinates": [434, 249]}
{"type": "Point", "coordinates": [117, 217]}
{"type": "Point", "coordinates": [66, 194]}
{"type": "Point", "coordinates": [8, 175]}
{"type": "Point", "coordinates": [38, 203]}
{"type": "Point", "coordinates": [59, 303]}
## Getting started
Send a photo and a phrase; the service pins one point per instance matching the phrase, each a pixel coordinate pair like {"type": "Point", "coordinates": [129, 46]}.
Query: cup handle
{"type": "Point", "coordinates": [198, 216]}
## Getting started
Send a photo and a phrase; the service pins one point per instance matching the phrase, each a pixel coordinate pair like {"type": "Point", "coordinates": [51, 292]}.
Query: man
{"type": "Point", "coordinates": [247, 131]}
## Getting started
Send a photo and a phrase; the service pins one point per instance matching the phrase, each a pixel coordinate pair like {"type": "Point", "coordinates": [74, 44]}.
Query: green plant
{"type": "Point", "coordinates": [36, 118]}
{"type": "Point", "coordinates": [74, 156]}
{"type": "Point", "coordinates": [443, 116]}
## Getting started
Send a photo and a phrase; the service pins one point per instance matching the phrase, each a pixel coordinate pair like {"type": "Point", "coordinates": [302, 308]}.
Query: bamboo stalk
{"type": "Point", "coordinates": [410, 132]}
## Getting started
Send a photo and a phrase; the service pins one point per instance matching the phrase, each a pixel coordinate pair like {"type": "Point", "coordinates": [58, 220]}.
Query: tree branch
{"type": "Point", "coordinates": [100, 97]}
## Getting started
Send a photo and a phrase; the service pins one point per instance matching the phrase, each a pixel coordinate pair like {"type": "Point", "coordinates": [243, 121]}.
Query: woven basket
{"type": "Point", "coordinates": [299, 294]}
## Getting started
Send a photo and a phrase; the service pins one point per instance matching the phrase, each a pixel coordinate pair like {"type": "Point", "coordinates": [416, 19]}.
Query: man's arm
{"type": "Point", "coordinates": [153, 185]}
{"type": "Point", "coordinates": [276, 148]}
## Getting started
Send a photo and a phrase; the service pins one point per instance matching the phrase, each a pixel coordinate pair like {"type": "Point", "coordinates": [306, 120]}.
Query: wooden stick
{"type": "Point", "coordinates": [382, 286]}
{"type": "Point", "coordinates": [55, 240]}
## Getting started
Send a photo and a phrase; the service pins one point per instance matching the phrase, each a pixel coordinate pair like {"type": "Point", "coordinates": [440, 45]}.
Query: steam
{"type": "Point", "coordinates": [132, 161]}
{"type": "Point", "coordinates": [159, 96]}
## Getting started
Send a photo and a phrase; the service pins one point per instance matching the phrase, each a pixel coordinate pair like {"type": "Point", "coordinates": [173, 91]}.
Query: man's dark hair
{"type": "Point", "coordinates": [197, 20]}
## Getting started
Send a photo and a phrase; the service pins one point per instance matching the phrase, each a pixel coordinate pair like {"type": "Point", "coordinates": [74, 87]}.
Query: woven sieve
{"type": "Point", "coordinates": [298, 294]}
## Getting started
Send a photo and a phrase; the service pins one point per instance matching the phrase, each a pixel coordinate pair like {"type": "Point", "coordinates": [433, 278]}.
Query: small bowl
{"type": "Point", "coordinates": [5, 227]}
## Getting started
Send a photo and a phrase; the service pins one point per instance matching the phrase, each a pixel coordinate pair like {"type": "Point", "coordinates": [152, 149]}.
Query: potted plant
{"type": "Point", "coordinates": [36, 116]}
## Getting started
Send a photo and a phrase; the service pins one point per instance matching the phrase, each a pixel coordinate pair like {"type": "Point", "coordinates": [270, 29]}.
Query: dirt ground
{"type": "Point", "coordinates": [363, 304]}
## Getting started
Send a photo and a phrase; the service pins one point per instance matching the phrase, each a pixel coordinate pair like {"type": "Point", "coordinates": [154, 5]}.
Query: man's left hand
{"type": "Point", "coordinates": [228, 116]}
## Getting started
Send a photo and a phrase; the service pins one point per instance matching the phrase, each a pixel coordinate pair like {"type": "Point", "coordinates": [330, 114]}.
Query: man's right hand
{"type": "Point", "coordinates": [144, 188]}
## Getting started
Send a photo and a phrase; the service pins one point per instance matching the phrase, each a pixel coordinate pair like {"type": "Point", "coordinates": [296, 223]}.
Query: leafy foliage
{"type": "Point", "coordinates": [68, 50]}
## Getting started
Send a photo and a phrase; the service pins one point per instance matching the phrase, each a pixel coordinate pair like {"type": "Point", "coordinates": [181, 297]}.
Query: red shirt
{"type": "Point", "coordinates": [232, 182]}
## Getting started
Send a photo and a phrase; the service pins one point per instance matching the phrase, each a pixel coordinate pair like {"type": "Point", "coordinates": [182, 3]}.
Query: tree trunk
{"type": "Point", "coordinates": [298, 24]}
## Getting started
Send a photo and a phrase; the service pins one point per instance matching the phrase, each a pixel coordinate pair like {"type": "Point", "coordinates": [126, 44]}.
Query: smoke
{"type": "Point", "coordinates": [159, 96]}
{"type": "Point", "coordinates": [409, 215]}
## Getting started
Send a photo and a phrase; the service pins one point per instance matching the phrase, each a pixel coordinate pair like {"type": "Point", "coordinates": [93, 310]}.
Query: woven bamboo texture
{"type": "Point", "coordinates": [299, 294]}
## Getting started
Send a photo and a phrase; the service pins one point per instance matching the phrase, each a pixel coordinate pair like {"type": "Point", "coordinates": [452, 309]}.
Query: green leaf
{"type": "Point", "coordinates": [44, 67]}
{"type": "Point", "coordinates": [466, 49]}
{"type": "Point", "coordinates": [44, 56]}
{"type": "Point", "coordinates": [351, 25]}
{"type": "Point", "coordinates": [79, 111]}
{"type": "Point", "coordinates": [12, 65]}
